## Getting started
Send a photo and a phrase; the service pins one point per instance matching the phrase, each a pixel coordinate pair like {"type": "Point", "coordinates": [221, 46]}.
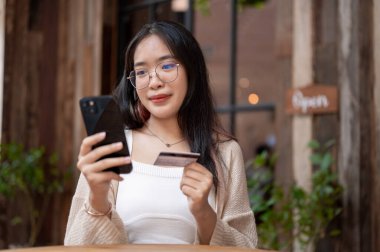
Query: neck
{"type": "Point", "coordinates": [167, 129]}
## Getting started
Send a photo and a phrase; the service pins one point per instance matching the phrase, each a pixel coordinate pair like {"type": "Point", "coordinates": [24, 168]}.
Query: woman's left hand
{"type": "Point", "coordinates": [196, 184]}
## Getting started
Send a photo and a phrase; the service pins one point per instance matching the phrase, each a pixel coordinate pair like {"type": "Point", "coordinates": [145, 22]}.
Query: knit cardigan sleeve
{"type": "Point", "coordinates": [84, 229]}
{"type": "Point", "coordinates": [235, 224]}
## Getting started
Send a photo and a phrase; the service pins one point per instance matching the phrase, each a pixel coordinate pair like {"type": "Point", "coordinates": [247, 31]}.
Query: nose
{"type": "Point", "coordinates": [154, 80]}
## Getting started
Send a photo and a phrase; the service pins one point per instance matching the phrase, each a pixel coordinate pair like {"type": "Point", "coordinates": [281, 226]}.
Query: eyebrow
{"type": "Point", "coordinates": [165, 57]}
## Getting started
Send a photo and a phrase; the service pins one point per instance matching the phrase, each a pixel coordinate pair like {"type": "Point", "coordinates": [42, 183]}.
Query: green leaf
{"type": "Point", "coordinates": [316, 158]}
{"type": "Point", "coordinates": [326, 161]}
{"type": "Point", "coordinates": [335, 232]}
{"type": "Point", "coordinates": [314, 144]}
{"type": "Point", "coordinates": [16, 220]}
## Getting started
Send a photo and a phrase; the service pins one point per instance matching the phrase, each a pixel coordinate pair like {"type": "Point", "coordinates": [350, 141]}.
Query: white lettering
{"type": "Point", "coordinates": [306, 103]}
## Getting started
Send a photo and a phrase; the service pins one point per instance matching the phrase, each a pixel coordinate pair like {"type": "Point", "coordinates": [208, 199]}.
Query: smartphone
{"type": "Point", "coordinates": [102, 114]}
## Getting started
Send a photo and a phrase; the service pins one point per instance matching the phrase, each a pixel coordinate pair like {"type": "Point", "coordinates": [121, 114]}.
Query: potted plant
{"type": "Point", "coordinates": [284, 218]}
{"type": "Point", "coordinates": [30, 175]}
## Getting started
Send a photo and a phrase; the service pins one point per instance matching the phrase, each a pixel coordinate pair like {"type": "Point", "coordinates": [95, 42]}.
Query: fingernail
{"type": "Point", "coordinates": [102, 134]}
{"type": "Point", "coordinates": [121, 178]}
{"type": "Point", "coordinates": [127, 159]}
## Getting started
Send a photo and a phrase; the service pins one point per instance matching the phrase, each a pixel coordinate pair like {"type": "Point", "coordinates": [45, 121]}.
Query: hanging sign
{"type": "Point", "coordinates": [313, 99]}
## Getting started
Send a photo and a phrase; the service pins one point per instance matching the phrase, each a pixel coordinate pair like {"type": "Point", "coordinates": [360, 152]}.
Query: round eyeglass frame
{"type": "Point", "coordinates": [130, 77]}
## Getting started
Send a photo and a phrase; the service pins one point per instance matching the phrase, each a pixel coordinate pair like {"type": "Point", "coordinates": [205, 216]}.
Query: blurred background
{"type": "Point", "coordinates": [297, 82]}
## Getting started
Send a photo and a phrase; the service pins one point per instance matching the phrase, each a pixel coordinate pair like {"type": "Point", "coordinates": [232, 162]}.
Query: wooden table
{"type": "Point", "coordinates": [137, 248]}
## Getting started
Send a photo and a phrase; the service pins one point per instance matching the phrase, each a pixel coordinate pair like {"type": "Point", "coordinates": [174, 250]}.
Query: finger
{"type": "Point", "coordinates": [190, 182]}
{"type": "Point", "coordinates": [194, 175]}
{"type": "Point", "coordinates": [193, 194]}
{"type": "Point", "coordinates": [106, 163]}
{"type": "Point", "coordinates": [100, 152]}
{"type": "Point", "coordinates": [90, 141]}
{"type": "Point", "coordinates": [198, 172]}
{"type": "Point", "coordinates": [196, 167]}
{"type": "Point", "coordinates": [188, 191]}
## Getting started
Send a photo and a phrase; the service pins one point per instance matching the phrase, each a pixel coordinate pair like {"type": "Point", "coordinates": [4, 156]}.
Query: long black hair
{"type": "Point", "coordinates": [196, 117]}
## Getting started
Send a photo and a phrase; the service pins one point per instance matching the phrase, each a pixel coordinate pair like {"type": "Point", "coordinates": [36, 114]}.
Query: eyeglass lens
{"type": "Point", "coordinates": [165, 71]}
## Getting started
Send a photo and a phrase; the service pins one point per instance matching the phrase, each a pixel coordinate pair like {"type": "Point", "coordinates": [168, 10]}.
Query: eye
{"type": "Point", "coordinates": [168, 66]}
{"type": "Point", "coordinates": [141, 72]}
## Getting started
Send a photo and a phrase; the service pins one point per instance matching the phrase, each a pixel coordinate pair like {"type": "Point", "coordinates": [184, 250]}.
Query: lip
{"type": "Point", "coordinates": [159, 98]}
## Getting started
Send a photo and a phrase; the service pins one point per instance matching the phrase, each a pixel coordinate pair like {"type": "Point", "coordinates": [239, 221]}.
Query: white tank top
{"type": "Point", "coordinates": [152, 206]}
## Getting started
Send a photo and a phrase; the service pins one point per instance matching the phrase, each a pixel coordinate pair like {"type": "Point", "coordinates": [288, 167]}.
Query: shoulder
{"type": "Point", "coordinates": [230, 155]}
{"type": "Point", "coordinates": [229, 146]}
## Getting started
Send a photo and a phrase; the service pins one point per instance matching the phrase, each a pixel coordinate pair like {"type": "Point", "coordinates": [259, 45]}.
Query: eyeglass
{"type": "Point", "coordinates": [165, 71]}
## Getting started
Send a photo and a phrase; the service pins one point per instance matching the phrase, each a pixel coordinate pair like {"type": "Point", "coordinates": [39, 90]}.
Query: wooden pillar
{"type": "Point", "coordinates": [284, 33]}
{"type": "Point", "coordinates": [79, 74]}
{"type": "Point", "coordinates": [16, 86]}
{"type": "Point", "coordinates": [357, 159]}
{"type": "Point", "coordinates": [2, 42]}
{"type": "Point", "coordinates": [302, 76]}
{"type": "Point", "coordinates": [52, 58]}
{"type": "Point", "coordinates": [325, 68]}
{"type": "Point", "coordinates": [349, 124]}
{"type": "Point", "coordinates": [367, 124]}
{"type": "Point", "coordinates": [376, 171]}
{"type": "Point", "coordinates": [325, 126]}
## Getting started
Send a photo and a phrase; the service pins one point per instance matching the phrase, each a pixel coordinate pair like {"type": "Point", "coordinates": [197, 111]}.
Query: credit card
{"type": "Point", "coordinates": [179, 159]}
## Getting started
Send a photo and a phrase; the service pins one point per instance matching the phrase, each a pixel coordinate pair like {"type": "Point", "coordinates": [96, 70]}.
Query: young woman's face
{"type": "Point", "coordinates": [165, 90]}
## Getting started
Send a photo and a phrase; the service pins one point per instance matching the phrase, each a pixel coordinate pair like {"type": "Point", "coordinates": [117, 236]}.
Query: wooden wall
{"type": "Point", "coordinates": [344, 53]}
{"type": "Point", "coordinates": [53, 57]}
{"type": "Point", "coordinates": [54, 54]}
{"type": "Point", "coordinates": [375, 229]}
{"type": "Point", "coordinates": [2, 42]}
{"type": "Point", "coordinates": [357, 161]}
{"type": "Point", "coordinates": [284, 49]}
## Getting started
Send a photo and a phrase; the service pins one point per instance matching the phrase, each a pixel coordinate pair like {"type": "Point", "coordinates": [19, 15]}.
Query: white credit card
{"type": "Point", "coordinates": [179, 159]}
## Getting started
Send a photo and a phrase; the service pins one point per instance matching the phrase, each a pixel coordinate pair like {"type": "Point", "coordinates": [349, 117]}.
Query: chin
{"type": "Point", "coordinates": [163, 114]}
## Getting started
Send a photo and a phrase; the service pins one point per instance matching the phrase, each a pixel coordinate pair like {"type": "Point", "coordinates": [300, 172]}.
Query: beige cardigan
{"type": "Point", "coordinates": [235, 224]}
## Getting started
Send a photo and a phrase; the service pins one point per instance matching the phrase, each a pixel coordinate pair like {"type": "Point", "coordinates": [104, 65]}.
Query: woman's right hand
{"type": "Point", "coordinates": [92, 168]}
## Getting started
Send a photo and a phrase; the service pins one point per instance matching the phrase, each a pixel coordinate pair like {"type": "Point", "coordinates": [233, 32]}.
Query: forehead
{"type": "Point", "coordinates": [151, 49]}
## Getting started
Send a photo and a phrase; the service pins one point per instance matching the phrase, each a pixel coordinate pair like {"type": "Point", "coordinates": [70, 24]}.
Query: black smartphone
{"type": "Point", "coordinates": [102, 114]}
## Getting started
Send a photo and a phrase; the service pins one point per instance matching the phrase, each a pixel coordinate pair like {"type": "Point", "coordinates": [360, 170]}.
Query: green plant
{"type": "Point", "coordinates": [298, 215]}
{"type": "Point", "coordinates": [33, 176]}
{"type": "Point", "coordinates": [204, 5]}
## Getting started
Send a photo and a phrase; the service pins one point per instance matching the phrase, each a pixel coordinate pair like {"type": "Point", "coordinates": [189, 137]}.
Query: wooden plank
{"type": "Point", "coordinates": [325, 67]}
{"type": "Point", "coordinates": [349, 142]}
{"type": "Point", "coordinates": [109, 48]}
{"type": "Point", "coordinates": [2, 42]}
{"type": "Point", "coordinates": [79, 74]}
{"type": "Point", "coordinates": [17, 109]}
{"type": "Point", "coordinates": [63, 130]}
{"type": "Point", "coordinates": [376, 172]}
{"type": "Point", "coordinates": [284, 32]}
{"type": "Point", "coordinates": [367, 125]}
{"type": "Point", "coordinates": [302, 76]}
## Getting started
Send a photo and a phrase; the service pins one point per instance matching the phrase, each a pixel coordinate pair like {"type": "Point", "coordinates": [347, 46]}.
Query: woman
{"type": "Point", "coordinates": [167, 106]}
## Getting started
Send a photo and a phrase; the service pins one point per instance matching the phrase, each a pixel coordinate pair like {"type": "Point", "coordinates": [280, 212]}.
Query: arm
{"type": "Point", "coordinates": [94, 194]}
{"type": "Point", "coordinates": [83, 228]}
{"type": "Point", "coordinates": [236, 224]}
